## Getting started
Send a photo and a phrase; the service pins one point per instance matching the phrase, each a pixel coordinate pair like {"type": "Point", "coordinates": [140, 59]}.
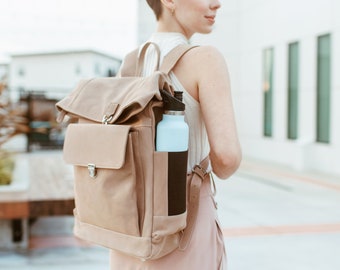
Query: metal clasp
{"type": "Point", "coordinates": [106, 119]}
{"type": "Point", "coordinates": [92, 170]}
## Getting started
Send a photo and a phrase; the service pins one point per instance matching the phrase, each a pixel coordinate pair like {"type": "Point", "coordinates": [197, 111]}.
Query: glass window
{"type": "Point", "coordinates": [268, 64]}
{"type": "Point", "coordinates": [293, 81]}
{"type": "Point", "coordinates": [21, 72]}
{"type": "Point", "coordinates": [323, 88]}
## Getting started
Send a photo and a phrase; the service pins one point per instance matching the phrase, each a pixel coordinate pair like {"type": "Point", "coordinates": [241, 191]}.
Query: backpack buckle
{"type": "Point", "coordinates": [200, 171]}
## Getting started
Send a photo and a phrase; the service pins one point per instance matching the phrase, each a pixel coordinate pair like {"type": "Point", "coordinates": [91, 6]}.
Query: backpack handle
{"type": "Point", "coordinates": [141, 57]}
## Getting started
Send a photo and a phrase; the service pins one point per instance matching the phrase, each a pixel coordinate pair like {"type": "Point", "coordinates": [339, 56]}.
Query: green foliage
{"type": "Point", "coordinates": [12, 122]}
{"type": "Point", "coordinates": [6, 167]}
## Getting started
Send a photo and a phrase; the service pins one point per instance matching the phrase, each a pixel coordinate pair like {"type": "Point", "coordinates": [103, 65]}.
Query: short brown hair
{"type": "Point", "coordinates": [156, 6]}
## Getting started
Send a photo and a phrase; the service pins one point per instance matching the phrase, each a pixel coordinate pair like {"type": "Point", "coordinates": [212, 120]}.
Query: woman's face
{"type": "Point", "coordinates": [196, 16]}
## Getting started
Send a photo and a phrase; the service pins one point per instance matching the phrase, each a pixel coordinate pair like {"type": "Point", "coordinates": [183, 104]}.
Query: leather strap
{"type": "Point", "coordinates": [132, 65]}
{"type": "Point", "coordinates": [171, 59]}
{"type": "Point", "coordinates": [140, 62]}
{"type": "Point", "coordinates": [198, 175]}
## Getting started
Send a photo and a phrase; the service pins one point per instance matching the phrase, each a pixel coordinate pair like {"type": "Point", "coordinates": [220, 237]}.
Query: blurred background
{"type": "Point", "coordinates": [283, 57]}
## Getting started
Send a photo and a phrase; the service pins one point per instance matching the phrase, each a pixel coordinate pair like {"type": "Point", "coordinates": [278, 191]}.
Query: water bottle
{"type": "Point", "coordinates": [172, 134]}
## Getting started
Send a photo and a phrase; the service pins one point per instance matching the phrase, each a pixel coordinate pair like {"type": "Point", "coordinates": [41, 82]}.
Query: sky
{"type": "Point", "coordinates": [48, 25]}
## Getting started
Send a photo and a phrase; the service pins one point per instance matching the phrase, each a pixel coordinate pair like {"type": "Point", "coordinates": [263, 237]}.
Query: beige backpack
{"type": "Point", "coordinates": [121, 183]}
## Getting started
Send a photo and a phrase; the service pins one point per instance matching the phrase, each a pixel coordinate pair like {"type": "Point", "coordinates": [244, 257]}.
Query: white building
{"type": "Point", "coordinates": [3, 70]}
{"type": "Point", "coordinates": [57, 73]}
{"type": "Point", "coordinates": [284, 61]}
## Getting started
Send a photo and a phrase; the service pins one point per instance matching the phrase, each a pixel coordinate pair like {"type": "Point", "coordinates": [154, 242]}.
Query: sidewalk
{"type": "Point", "coordinates": [272, 219]}
{"type": "Point", "coordinates": [278, 219]}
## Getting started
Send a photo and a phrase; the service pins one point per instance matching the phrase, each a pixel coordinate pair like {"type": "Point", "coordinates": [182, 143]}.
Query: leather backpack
{"type": "Point", "coordinates": [122, 198]}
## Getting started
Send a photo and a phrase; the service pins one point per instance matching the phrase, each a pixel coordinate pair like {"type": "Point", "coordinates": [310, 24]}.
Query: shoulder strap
{"type": "Point", "coordinates": [171, 59]}
{"type": "Point", "coordinates": [132, 62]}
{"type": "Point", "coordinates": [196, 178]}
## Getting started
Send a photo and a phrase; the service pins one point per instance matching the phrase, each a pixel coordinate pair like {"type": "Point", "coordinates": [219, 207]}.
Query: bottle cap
{"type": "Point", "coordinates": [172, 103]}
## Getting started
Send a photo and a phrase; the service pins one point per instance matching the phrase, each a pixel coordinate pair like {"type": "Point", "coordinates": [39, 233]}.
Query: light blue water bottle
{"type": "Point", "coordinates": [172, 134]}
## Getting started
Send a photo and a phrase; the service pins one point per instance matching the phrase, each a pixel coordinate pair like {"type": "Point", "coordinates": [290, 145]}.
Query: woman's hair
{"type": "Point", "coordinates": [156, 6]}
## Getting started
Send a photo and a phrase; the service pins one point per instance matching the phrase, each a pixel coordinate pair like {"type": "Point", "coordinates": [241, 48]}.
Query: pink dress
{"type": "Point", "coordinates": [206, 249]}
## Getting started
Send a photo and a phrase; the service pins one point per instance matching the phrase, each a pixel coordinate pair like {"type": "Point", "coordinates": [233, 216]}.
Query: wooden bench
{"type": "Point", "coordinates": [50, 192]}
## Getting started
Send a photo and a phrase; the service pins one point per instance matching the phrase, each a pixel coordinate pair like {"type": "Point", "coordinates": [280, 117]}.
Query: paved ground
{"type": "Point", "coordinates": [278, 220]}
{"type": "Point", "coordinates": [272, 219]}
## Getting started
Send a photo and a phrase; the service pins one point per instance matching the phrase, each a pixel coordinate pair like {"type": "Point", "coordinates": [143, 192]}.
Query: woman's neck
{"type": "Point", "coordinates": [170, 24]}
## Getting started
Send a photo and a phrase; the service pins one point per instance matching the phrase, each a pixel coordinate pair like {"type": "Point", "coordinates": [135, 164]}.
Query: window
{"type": "Point", "coordinates": [293, 81]}
{"type": "Point", "coordinates": [111, 72]}
{"type": "Point", "coordinates": [268, 63]}
{"type": "Point", "coordinates": [21, 72]}
{"type": "Point", "coordinates": [323, 88]}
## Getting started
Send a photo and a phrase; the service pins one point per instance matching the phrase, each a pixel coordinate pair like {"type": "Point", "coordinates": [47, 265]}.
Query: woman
{"type": "Point", "coordinates": [203, 77]}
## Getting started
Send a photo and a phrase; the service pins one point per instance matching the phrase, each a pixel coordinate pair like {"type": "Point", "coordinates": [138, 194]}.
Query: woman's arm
{"type": "Point", "coordinates": [207, 80]}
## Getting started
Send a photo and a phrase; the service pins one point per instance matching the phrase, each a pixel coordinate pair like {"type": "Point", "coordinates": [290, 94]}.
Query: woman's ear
{"type": "Point", "coordinates": [169, 4]}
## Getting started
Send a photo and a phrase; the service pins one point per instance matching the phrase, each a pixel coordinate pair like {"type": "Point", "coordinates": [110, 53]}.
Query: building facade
{"type": "Point", "coordinates": [283, 57]}
{"type": "Point", "coordinates": [57, 73]}
{"type": "Point", "coordinates": [3, 71]}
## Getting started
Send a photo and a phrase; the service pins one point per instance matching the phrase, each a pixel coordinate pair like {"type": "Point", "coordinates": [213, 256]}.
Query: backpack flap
{"type": "Point", "coordinates": [96, 146]}
{"type": "Point", "coordinates": [116, 99]}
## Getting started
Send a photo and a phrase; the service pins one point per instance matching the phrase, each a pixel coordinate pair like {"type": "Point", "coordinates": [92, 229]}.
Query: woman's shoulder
{"type": "Point", "coordinates": [203, 59]}
{"type": "Point", "coordinates": [200, 66]}
{"type": "Point", "coordinates": [206, 51]}
{"type": "Point", "coordinates": [204, 55]}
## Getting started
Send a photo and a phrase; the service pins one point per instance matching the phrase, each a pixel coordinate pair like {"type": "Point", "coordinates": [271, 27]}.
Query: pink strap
{"type": "Point", "coordinates": [198, 175]}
